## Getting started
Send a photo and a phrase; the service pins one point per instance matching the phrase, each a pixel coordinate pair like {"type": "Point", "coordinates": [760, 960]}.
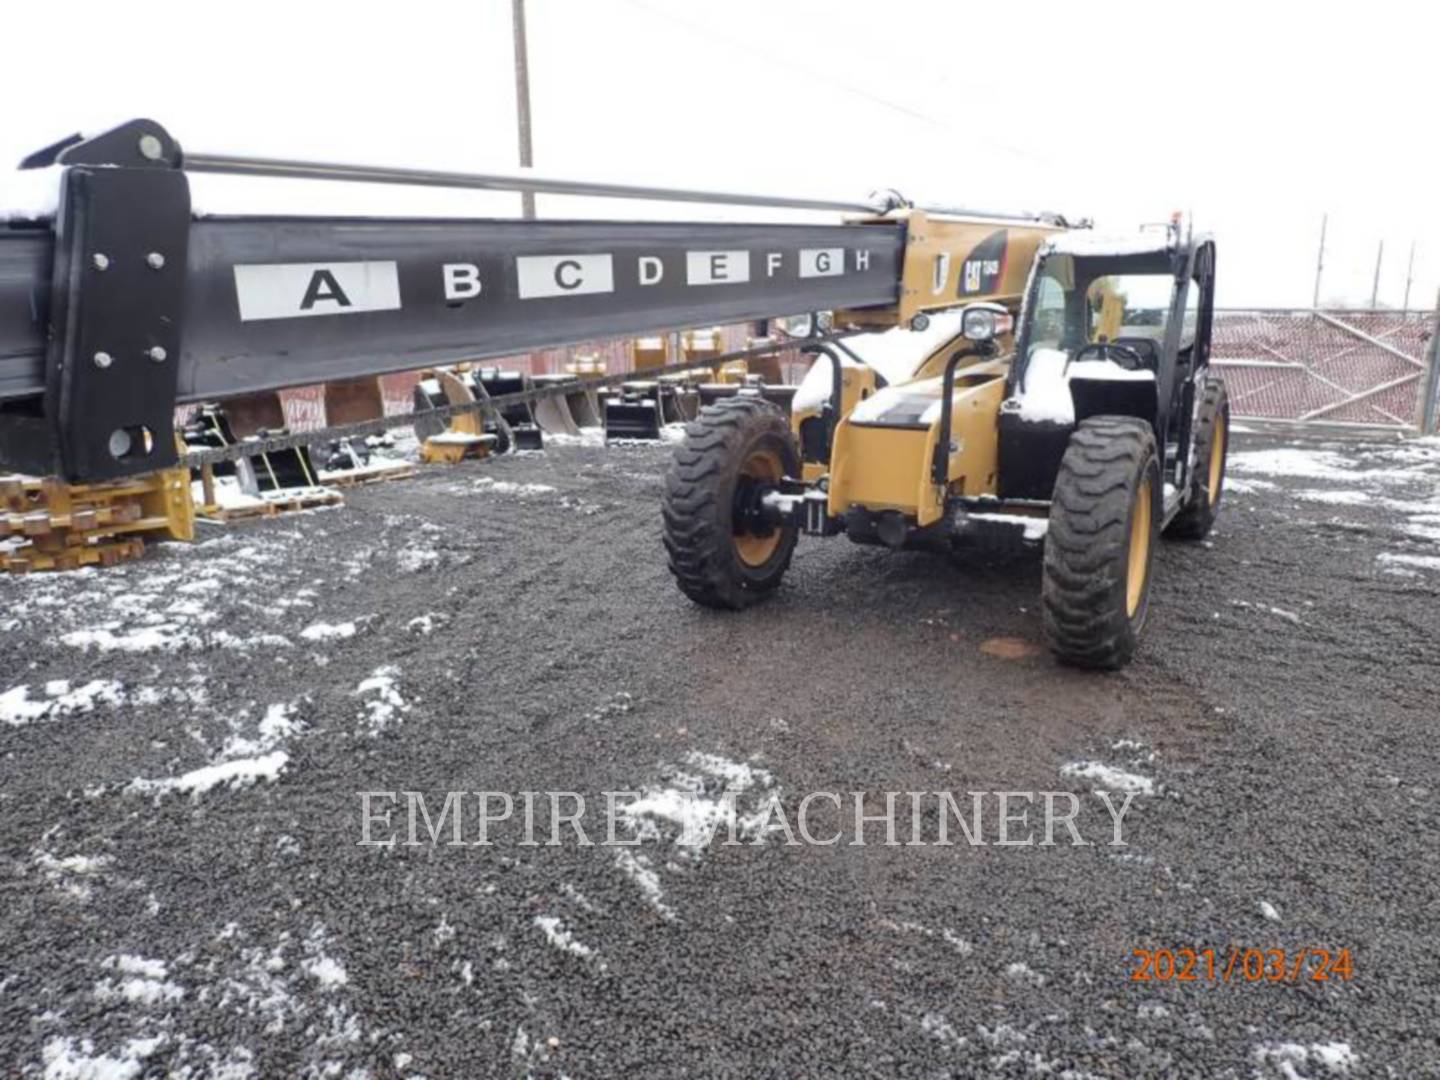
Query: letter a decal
{"type": "Point", "coordinates": [323, 286]}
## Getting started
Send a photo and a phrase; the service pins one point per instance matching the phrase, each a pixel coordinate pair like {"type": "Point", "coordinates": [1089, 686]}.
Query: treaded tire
{"type": "Point", "coordinates": [1088, 621]}
{"type": "Point", "coordinates": [699, 501]}
{"type": "Point", "coordinates": [1198, 515]}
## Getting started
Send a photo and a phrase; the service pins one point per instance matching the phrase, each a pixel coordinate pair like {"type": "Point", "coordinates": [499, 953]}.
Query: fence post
{"type": "Point", "coordinates": [1430, 396]}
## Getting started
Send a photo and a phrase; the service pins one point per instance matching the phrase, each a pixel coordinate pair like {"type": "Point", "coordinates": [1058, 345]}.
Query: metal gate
{"type": "Point", "coordinates": [1335, 367]}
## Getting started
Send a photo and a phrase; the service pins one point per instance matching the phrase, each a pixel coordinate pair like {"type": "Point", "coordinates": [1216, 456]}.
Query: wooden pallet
{"type": "Point", "coordinates": [272, 504]}
{"type": "Point", "coordinates": [369, 474]}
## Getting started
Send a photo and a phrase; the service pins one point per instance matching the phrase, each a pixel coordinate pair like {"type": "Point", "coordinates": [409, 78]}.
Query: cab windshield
{"type": "Point", "coordinates": [1084, 301]}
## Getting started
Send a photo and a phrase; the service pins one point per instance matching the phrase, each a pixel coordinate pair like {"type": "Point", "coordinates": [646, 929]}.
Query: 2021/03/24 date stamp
{"type": "Point", "coordinates": [1241, 964]}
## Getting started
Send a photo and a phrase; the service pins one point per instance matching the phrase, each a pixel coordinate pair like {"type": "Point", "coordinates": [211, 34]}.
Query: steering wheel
{"type": "Point", "coordinates": [1128, 358]}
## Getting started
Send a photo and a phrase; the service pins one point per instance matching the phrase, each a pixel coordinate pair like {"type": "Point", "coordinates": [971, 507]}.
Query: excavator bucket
{"type": "Point", "coordinates": [553, 413]}
{"type": "Point", "coordinates": [427, 396]}
{"type": "Point", "coordinates": [584, 403]}
{"type": "Point", "coordinates": [241, 418]}
{"type": "Point", "coordinates": [351, 401]}
{"type": "Point", "coordinates": [632, 419]}
{"type": "Point", "coordinates": [465, 436]}
{"type": "Point", "coordinates": [526, 432]}
{"type": "Point", "coordinates": [634, 415]}
{"type": "Point", "coordinates": [679, 400]}
{"type": "Point", "coordinates": [584, 406]}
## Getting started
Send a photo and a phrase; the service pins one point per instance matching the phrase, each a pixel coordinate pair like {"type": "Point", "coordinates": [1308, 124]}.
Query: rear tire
{"type": "Point", "coordinates": [1212, 446]}
{"type": "Point", "coordinates": [1100, 546]}
{"type": "Point", "coordinates": [733, 449]}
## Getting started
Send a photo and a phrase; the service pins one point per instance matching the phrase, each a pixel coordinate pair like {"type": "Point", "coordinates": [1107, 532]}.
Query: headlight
{"type": "Point", "coordinates": [985, 322]}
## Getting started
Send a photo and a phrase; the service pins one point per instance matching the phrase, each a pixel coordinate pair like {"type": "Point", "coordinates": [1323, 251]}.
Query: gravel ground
{"type": "Point", "coordinates": [182, 742]}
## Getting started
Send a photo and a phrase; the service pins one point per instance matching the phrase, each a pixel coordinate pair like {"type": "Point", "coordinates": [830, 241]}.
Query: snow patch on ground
{"type": "Point", "coordinates": [1336, 498]}
{"type": "Point", "coordinates": [16, 706]}
{"type": "Point", "coordinates": [590, 436]}
{"type": "Point", "coordinates": [510, 487]}
{"type": "Point", "coordinates": [138, 981]}
{"type": "Point", "coordinates": [1292, 461]}
{"type": "Point", "coordinates": [1021, 972]}
{"type": "Point", "coordinates": [1286, 1059]}
{"type": "Point", "coordinates": [1108, 778]}
{"type": "Point", "coordinates": [383, 702]}
{"type": "Point", "coordinates": [639, 869]}
{"type": "Point", "coordinates": [413, 560]}
{"type": "Point", "coordinates": [328, 631]}
{"type": "Point", "coordinates": [1236, 486]}
{"type": "Point", "coordinates": [67, 1058]}
{"type": "Point", "coordinates": [240, 773]}
{"type": "Point", "coordinates": [71, 875]}
{"type": "Point", "coordinates": [948, 936]}
{"type": "Point", "coordinates": [704, 803]}
{"type": "Point", "coordinates": [1398, 558]}
{"type": "Point", "coordinates": [426, 624]}
{"type": "Point", "coordinates": [166, 638]}
{"type": "Point", "coordinates": [560, 937]}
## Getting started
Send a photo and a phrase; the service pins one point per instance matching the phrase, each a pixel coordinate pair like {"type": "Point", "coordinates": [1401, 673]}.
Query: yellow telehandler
{"type": "Point", "coordinates": [1069, 403]}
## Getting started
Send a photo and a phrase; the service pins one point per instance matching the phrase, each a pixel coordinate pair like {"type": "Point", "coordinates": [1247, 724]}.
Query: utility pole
{"type": "Point", "coordinates": [1409, 278]}
{"type": "Point", "coordinates": [1375, 289]}
{"type": "Point", "coordinates": [522, 101]}
{"type": "Point", "coordinates": [1320, 261]}
{"type": "Point", "coordinates": [1430, 395]}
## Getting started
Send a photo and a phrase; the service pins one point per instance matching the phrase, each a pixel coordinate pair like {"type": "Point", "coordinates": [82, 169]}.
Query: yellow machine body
{"type": "Point", "coordinates": [953, 261]}
{"type": "Point", "coordinates": [856, 384]}
{"type": "Point", "coordinates": [882, 451]}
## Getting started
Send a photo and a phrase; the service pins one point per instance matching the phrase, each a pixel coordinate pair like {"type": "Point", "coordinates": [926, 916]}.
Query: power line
{"type": "Point", "coordinates": [788, 60]}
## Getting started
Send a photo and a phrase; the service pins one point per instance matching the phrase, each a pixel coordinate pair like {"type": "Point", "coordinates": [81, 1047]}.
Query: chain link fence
{"type": "Point", "coordinates": [1363, 368]}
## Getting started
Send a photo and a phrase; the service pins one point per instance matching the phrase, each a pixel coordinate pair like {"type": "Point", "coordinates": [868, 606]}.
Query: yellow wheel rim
{"type": "Point", "coordinates": [764, 466]}
{"type": "Point", "coordinates": [1139, 567]}
{"type": "Point", "coordinates": [1217, 460]}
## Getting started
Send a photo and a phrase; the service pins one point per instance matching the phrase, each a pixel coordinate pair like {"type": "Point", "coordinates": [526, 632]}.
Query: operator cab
{"type": "Point", "coordinates": [1111, 326]}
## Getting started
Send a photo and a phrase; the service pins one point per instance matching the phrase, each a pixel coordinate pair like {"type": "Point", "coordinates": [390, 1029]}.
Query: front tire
{"type": "Point", "coordinates": [1212, 445]}
{"type": "Point", "coordinates": [721, 556]}
{"type": "Point", "coordinates": [1100, 547]}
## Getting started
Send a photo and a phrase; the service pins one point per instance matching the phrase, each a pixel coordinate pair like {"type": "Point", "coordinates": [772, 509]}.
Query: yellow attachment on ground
{"type": "Point", "coordinates": [877, 464]}
{"type": "Point", "coordinates": [648, 353]}
{"type": "Point", "coordinates": [585, 364]}
{"type": "Point", "coordinates": [953, 261]}
{"type": "Point", "coordinates": [464, 435]}
{"type": "Point", "coordinates": [702, 344]}
{"type": "Point", "coordinates": [67, 526]}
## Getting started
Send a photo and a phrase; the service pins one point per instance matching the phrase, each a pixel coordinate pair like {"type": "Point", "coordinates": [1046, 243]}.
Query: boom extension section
{"type": "Point", "coordinates": [125, 304]}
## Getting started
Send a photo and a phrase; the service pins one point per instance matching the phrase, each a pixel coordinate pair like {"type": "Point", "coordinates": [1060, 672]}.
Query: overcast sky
{"type": "Point", "coordinates": [1255, 118]}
